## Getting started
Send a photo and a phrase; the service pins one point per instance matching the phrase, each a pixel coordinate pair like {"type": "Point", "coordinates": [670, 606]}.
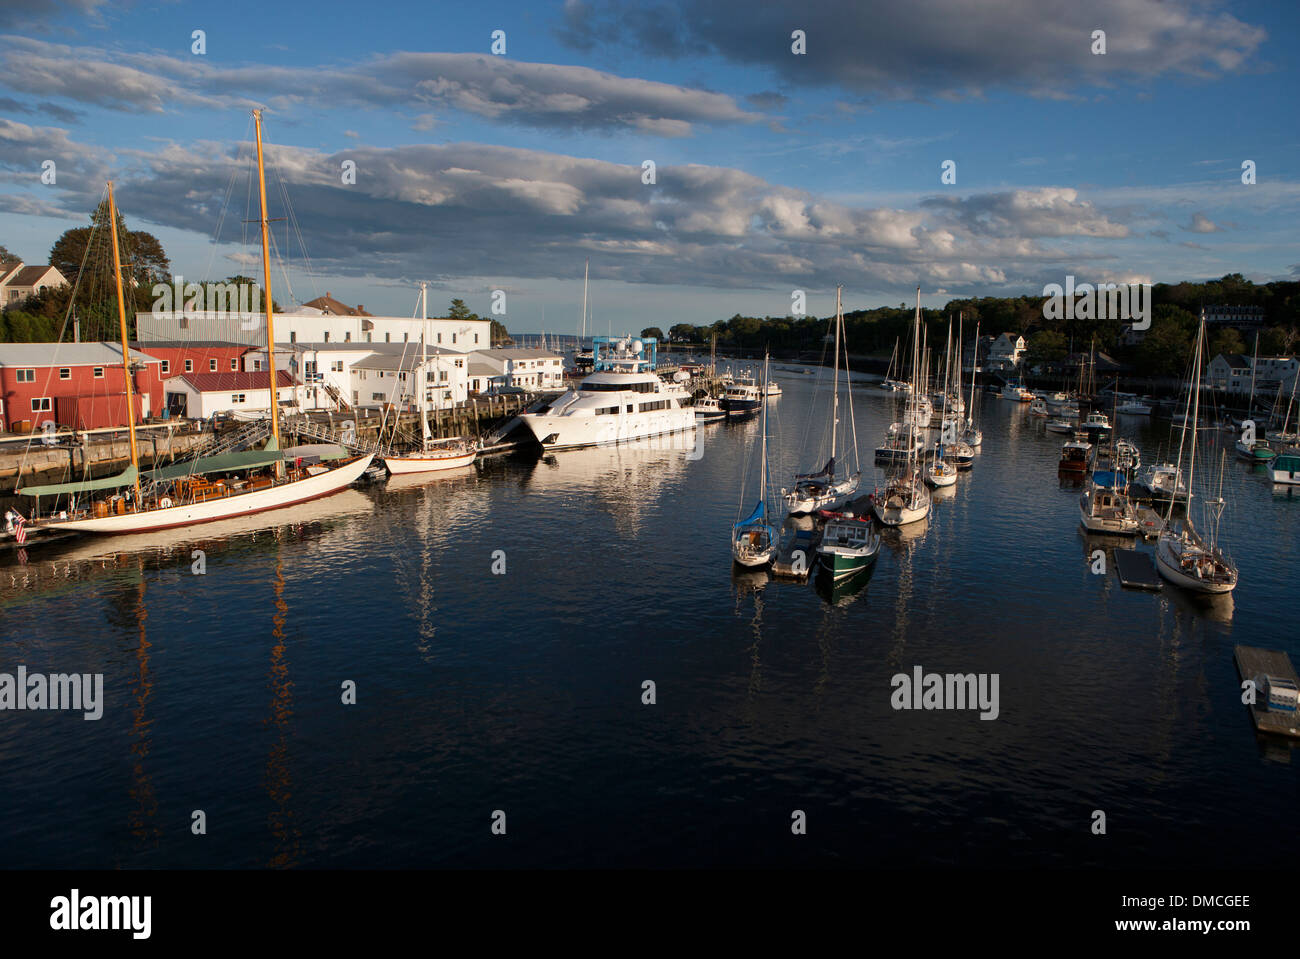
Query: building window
{"type": "Point", "coordinates": [388, 337]}
{"type": "Point", "coordinates": [65, 373]}
{"type": "Point", "coordinates": [439, 337]}
{"type": "Point", "coordinates": [26, 376]}
{"type": "Point", "coordinates": [212, 365]}
{"type": "Point", "coordinates": [377, 396]}
{"type": "Point", "coordinates": [184, 323]}
{"type": "Point", "coordinates": [327, 336]}
{"type": "Point", "coordinates": [257, 366]}
{"type": "Point", "coordinates": [361, 374]}
{"type": "Point", "coordinates": [99, 372]}
{"type": "Point", "coordinates": [189, 366]}
{"type": "Point", "coordinates": [336, 366]}
{"type": "Point", "coordinates": [236, 397]}
{"type": "Point", "coordinates": [293, 336]}
{"type": "Point", "coordinates": [476, 339]}
{"type": "Point", "coordinates": [166, 367]}
{"type": "Point", "coordinates": [234, 363]}
{"type": "Point", "coordinates": [40, 404]}
{"type": "Point", "coordinates": [406, 337]}
{"type": "Point", "coordinates": [370, 337]}
{"type": "Point", "coordinates": [453, 339]}
{"type": "Point", "coordinates": [442, 376]}
{"type": "Point", "coordinates": [347, 337]}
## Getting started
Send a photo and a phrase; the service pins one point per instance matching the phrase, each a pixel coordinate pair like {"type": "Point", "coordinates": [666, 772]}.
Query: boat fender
{"type": "Point", "coordinates": [165, 502]}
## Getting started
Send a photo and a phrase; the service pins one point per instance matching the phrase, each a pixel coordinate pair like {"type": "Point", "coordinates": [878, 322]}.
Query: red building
{"type": "Point", "coordinates": [76, 385]}
{"type": "Point", "coordinates": [195, 356]}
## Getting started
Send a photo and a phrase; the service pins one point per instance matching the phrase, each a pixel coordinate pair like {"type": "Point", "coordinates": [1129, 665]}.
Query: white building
{"type": "Point", "coordinates": [1006, 352]}
{"type": "Point", "coordinates": [308, 325]}
{"type": "Point", "coordinates": [200, 395]}
{"type": "Point", "coordinates": [1234, 372]}
{"type": "Point", "coordinates": [393, 377]}
{"type": "Point", "coordinates": [525, 368]}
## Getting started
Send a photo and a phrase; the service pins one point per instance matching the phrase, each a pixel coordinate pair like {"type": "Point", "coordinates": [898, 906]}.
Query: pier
{"type": "Point", "coordinates": [1253, 662]}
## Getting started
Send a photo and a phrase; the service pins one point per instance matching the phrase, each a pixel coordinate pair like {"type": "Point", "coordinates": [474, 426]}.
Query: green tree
{"type": "Point", "coordinates": [685, 333]}
{"type": "Point", "coordinates": [1046, 346]}
{"type": "Point", "coordinates": [652, 331]}
{"type": "Point", "coordinates": [7, 258]}
{"type": "Point", "coordinates": [1226, 341]}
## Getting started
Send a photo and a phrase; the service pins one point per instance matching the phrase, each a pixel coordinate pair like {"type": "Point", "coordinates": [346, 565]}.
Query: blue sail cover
{"type": "Point", "coordinates": [755, 518]}
{"type": "Point", "coordinates": [1109, 480]}
{"type": "Point", "coordinates": [826, 473]}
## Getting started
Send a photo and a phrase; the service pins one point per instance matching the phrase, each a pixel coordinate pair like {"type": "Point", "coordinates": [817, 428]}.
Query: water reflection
{"type": "Point", "coordinates": [142, 822]}
{"type": "Point", "coordinates": [278, 780]}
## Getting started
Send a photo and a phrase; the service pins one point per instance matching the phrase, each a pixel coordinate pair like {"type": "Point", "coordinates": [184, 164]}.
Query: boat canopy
{"type": "Point", "coordinates": [1109, 479]}
{"type": "Point", "coordinates": [125, 478]}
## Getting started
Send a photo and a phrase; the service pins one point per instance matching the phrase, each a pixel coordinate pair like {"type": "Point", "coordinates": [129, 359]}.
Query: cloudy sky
{"type": "Point", "coordinates": [773, 171]}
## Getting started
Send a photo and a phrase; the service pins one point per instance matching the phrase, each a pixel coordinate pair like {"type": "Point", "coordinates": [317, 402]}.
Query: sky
{"type": "Point", "coordinates": [773, 170]}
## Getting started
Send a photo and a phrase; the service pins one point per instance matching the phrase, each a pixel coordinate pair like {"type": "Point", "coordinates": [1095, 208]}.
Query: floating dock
{"type": "Point", "coordinates": [1136, 571]}
{"type": "Point", "coordinates": [797, 555]}
{"type": "Point", "coordinates": [1253, 661]}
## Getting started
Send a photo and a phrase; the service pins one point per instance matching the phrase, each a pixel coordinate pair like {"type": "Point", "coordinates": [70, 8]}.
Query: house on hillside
{"type": "Point", "coordinates": [1006, 352]}
{"type": "Point", "coordinates": [18, 281]}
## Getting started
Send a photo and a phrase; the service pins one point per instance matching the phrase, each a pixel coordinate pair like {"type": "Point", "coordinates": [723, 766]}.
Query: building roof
{"type": "Point", "coordinates": [479, 368]}
{"type": "Point", "coordinates": [9, 270]}
{"type": "Point", "coordinates": [237, 380]}
{"type": "Point", "coordinates": [188, 344]}
{"type": "Point", "coordinates": [66, 354]}
{"type": "Point", "coordinates": [344, 346]}
{"type": "Point", "coordinates": [1235, 360]}
{"type": "Point", "coordinates": [397, 361]}
{"type": "Point", "coordinates": [30, 275]}
{"type": "Point", "coordinates": [509, 353]}
{"type": "Point", "coordinates": [330, 306]}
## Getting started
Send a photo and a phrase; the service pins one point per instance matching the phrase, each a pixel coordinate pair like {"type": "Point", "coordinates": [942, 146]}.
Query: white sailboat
{"type": "Point", "coordinates": [971, 435]}
{"type": "Point", "coordinates": [1183, 556]}
{"type": "Point", "coordinates": [906, 499]}
{"type": "Point", "coordinates": [821, 490]}
{"type": "Point", "coordinates": [432, 456]}
{"type": "Point", "coordinates": [207, 488]}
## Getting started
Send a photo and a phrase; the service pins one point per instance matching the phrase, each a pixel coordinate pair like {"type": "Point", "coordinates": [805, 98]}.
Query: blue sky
{"type": "Point", "coordinates": [774, 172]}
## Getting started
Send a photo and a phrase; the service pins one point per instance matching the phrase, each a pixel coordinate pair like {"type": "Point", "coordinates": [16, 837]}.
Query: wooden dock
{"type": "Point", "coordinates": [1252, 661]}
{"type": "Point", "coordinates": [797, 554]}
{"type": "Point", "coordinates": [1136, 570]}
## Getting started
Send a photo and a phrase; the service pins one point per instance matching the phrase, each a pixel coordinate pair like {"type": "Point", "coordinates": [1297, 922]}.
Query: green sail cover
{"type": "Point", "coordinates": [222, 462]}
{"type": "Point", "coordinates": [125, 478]}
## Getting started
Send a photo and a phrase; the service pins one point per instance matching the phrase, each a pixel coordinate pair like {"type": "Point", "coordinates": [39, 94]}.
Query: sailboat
{"type": "Point", "coordinates": [1248, 447]}
{"type": "Point", "coordinates": [821, 490]}
{"type": "Point", "coordinates": [905, 498]}
{"type": "Point", "coordinates": [889, 383]}
{"type": "Point", "coordinates": [972, 436]}
{"type": "Point", "coordinates": [432, 455]}
{"type": "Point", "coordinates": [754, 538]}
{"type": "Point", "coordinates": [210, 487]}
{"type": "Point", "coordinates": [956, 450]}
{"type": "Point", "coordinates": [1183, 556]}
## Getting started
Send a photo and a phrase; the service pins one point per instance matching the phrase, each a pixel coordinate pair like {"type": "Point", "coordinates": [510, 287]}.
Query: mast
{"type": "Point", "coordinates": [835, 380]}
{"type": "Point", "coordinates": [1254, 365]}
{"type": "Point", "coordinates": [762, 480]}
{"type": "Point", "coordinates": [126, 346]}
{"type": "Point", "coordinates": [1196, 408]}
{"type": "Point", "coordinates": [916, 386]}
{"type": "Point", "coordinates": [266, 279]}
{"type": "Point", "coordinates": [424, 362]}
{"type": "Point", "coordinates": [585, 270]}
{"type": "Point", "coordinates": [975, 360]}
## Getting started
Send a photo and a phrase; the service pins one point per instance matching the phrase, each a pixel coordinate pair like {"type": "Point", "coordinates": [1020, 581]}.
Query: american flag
{"type": "Point", "coordinates": [20, 531]}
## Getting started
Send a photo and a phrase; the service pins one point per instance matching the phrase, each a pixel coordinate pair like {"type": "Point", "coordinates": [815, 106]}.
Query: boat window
{"type": "Point", "coordinates": [604, 410]}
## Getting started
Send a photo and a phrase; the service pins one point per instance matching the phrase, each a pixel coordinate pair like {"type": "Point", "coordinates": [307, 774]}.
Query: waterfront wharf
{"type": "Point", "coordinates": [1252, 662]}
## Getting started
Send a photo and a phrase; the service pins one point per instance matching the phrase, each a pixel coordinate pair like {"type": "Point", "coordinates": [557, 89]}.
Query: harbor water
{"type": "Point", "coordinates": [380, 677]}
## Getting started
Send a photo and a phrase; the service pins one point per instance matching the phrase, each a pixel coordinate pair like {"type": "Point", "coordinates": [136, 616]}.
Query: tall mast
{"type": "Point", "coordinates": [835, 380]}
{"type": "Point", "coordinates": [1254, 365]}
{"type": "Point", "coordinates": [424, 362]}
{"type": "Point", "coordinates": [975, 362]}
{"type": "Point", "coordinates": [266, 279]}
{"type": "Point", "coordinates": [1196, 407]}
{"type": "Point", "coordinates": [126, 346]}
{"type": "Point", "coordinates": [585, 270]}
{"type": "Point", "coordinates": [762, 481]}
{"type": "Point", "coordinates": [915, 399]}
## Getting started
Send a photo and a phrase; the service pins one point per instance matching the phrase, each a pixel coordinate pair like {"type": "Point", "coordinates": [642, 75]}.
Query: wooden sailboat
{"type": "Point", "coordinates": [972, 436]}
{"type": "Point", "coordinates": [1183, 556]}
{"type": "Point", "coordinates": [432, 456]}
{"type": "Point", "coordinates": [905, 498]}
{"type": "Point", "coordinates": [754, 539]}
{"type": "Point", "coordinates": [208, 488]}
{"type": "Point", "coordinates": [821, 490]}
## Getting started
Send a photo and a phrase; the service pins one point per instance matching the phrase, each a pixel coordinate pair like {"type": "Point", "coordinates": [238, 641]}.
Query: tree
{"type": "Point", "coordinates": [1226, 341]}
{"type": "Point", "coordinates": [652, 331]}
{"type": "Point", "coordinates": [8, 259]}
{"type": "Point", "coordinates": [1046, 346]}
{"type": "Point", "coordinates": [459, 311]}
{"type": "Point", "coordinates": [143, 258]}
{"type": "Point", "coordinates": [684, 333]}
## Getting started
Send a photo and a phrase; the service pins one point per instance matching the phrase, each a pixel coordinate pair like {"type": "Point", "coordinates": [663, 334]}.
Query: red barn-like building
{"type": "Point", "coordinates": [77, 385]}
{"type": "Point", "coordinates": [195, 356]}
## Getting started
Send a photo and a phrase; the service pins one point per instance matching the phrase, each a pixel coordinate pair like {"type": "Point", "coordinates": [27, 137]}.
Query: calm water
{"type": "Point", "coordinates": [522, 692]}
